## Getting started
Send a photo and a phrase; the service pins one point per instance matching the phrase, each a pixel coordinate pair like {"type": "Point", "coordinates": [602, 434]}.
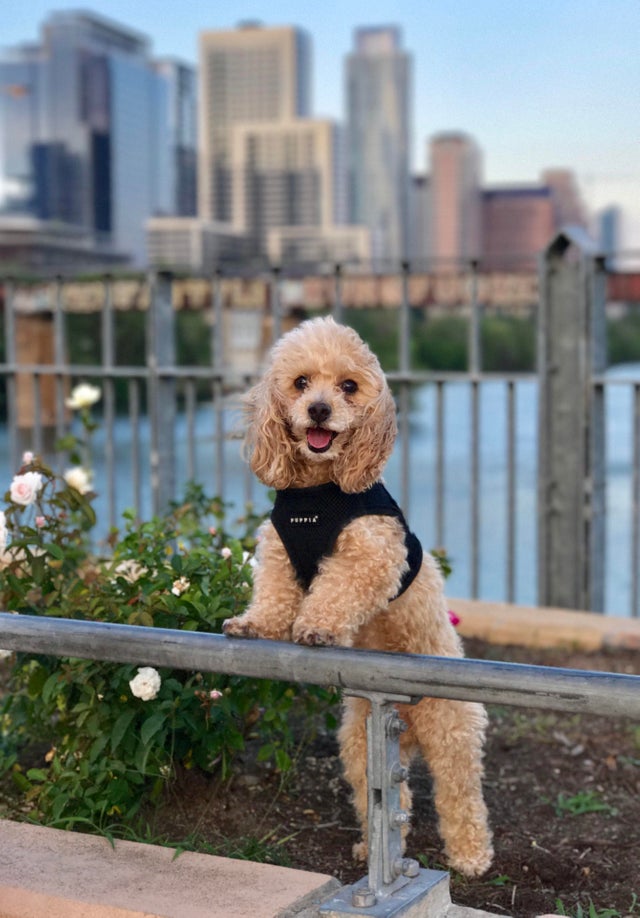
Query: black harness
{"type": "Point", "coordinates": [309, 520]}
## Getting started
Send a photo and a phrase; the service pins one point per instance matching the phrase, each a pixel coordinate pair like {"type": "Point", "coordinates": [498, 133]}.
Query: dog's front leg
{"type": "Point", "coordinates": [354, 583]}
{"type": "Point", "coordinates": [276, 594]}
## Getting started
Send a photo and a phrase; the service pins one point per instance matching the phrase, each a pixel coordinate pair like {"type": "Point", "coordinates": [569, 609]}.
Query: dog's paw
{"type": "Point", "coordinates": [360, 851]}
{"type": "Point", "coordinates": [472, 866]}
{"type": "Point", "coordinates": [314, 637]}
{"type": "Point", "coordinates": [237, 628]}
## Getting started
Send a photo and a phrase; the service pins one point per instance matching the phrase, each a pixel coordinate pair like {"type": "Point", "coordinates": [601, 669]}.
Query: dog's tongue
{"type": "Point", "coordinates": [319, 437]}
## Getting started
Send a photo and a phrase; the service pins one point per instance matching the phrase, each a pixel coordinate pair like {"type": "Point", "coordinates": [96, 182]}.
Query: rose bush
{"type": "Point", "coordinates": [116, 734]}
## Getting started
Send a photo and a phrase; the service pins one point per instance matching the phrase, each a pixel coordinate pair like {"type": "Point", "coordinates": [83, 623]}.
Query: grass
{"type": "Point", "coordinates": [592, 911]}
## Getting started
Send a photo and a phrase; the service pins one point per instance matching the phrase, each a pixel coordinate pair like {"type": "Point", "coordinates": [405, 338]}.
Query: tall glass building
{"type": "Point", "coordinates": [378, 98]}
{"type": "Point", "coordinates": [93, 148]}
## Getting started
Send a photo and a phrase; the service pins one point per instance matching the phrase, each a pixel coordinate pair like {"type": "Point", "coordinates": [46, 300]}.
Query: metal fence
{"type": "Point", "coordinates": [536, 535]}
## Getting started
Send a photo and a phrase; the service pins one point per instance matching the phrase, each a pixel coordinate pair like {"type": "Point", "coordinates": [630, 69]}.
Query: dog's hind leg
{"type": "Point", "coordinates": [451, 736]}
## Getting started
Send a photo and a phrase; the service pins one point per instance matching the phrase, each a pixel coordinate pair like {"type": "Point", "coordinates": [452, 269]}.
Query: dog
{"type": "Point", "coordinates": [337, 564]}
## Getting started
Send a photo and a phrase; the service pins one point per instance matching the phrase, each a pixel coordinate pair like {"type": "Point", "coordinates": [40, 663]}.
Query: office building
{"type": "Point", "coordinates": [455, 200]}
{"type": "Point", "coordinates": [518, 222]}
{"type": "Point", "coordinates": [286, 174]}
{"type": "Point", "coordinates": [92, 149]}
{"type": "Point", "coordinates": [250, 74]}
{"type": "Point", "coordinates": [378, 97]}
{"type": "Point", "coordinates": [271, 181]}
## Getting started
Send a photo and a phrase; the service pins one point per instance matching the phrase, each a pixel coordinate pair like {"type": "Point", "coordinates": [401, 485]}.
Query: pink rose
{"type": "Point", "coordinates": [25, 488]}
{"type": "Point", "coordinates": [453, 618]}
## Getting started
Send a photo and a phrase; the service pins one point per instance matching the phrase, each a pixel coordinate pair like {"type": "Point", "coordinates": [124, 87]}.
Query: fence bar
{"type": "Point", "coordinates": [338, 309]}
{"type": "Point", "coordinates": [108, 359]}
{"type": "Point", "coordinates": [440, 464]}
{"type": "Point", "coordinates": [608, 694]}
{"type": "Point", "coordinates": [475, 488]}
{"type": "Point", "coordinates": [404, 362]}
{"type": "Point", "coordinates": [190, 412]}
{"type": "Point", "coordinates": [36, 431]}
{"type": "Point", "coordinates": [635, 507]}
{"type": "Point", "coordinates": [10, 358]}
{"type": "Point", "coordinates": [61, 358]}
{"type": "Point", "coordinates": [511, 508]}
{"type": "Point", "coordinates": [162, 389]}
{"type": "Point", "coordinates": [275, 304]}
{"type": "Point", "coordinates": [134, 420]}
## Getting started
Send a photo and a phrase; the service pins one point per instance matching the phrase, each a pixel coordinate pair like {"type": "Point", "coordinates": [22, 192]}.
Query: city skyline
{"type": "Point", "coordinates": [550, 86]}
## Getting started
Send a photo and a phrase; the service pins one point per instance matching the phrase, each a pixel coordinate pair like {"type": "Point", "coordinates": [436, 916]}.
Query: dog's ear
{"type": "Point", "coordinates": [267, 443]}
{"type": "Point", "coordinates": [360, 464]}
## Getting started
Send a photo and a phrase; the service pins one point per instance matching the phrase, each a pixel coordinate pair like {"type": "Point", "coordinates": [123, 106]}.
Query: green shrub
{"type": "Point", "coordinates": [113, 736]}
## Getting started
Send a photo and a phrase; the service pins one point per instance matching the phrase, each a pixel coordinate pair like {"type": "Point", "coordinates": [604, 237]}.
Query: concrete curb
{"type": "Point", "coordinates": [532, 626]}
{"type": "Point", "coordinates": [69, 875]}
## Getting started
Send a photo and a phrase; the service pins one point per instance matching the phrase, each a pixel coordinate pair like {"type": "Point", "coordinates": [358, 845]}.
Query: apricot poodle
{"type": "Point", "coordinates": [337, 564]}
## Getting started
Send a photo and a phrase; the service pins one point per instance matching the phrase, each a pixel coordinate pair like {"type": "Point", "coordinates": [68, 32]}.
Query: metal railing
{"type": "Point", "coordinates": [385, 679]}
{"type": "Point", "coordinates": [561, 473]}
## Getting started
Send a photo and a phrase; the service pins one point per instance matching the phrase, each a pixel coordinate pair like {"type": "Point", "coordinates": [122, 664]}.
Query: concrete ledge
{"type": "Point", "coordinates": [533, 626]}
{"type": "Point", "coordinates": [68, 875]}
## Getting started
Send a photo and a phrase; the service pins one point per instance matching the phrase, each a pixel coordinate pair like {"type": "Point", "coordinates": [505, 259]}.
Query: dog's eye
{"type": "Point", "coordinates": [349, 386]}
{"type": "Point", "coordinates": [301, 382]}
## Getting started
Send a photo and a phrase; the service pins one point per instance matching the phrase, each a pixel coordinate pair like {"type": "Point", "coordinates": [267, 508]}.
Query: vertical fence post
{"type": "Point", "coordinates": [162, 390]}
{"type": "Point", "coordinates": [571, 352]}
{"type": "Point", "coordinates": [404, 361]}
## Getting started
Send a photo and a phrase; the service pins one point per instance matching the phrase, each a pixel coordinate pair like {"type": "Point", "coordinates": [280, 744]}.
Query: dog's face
{"type": "Point", "coordinates": [323, 411]}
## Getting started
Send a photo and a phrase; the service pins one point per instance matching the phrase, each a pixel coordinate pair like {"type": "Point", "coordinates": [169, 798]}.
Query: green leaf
{"type": "Point", "coordinates": [120, 727]}
{"type": "Point", "coordinates": [37, 774]}
{"type": "Point", "coordinates": [151, 726]}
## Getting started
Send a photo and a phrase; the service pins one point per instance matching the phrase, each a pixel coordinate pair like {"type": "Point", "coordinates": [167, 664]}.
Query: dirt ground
{"type": "Point", "coordinates": [563, 792]}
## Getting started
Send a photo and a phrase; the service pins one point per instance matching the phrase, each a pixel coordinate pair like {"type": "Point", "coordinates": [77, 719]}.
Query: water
{"type": "Point", "coordinates": [493, 509]}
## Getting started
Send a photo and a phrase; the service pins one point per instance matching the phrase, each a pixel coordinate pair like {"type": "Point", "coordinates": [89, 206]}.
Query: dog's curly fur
{"type": "Point", "coordinates": [322, 376]}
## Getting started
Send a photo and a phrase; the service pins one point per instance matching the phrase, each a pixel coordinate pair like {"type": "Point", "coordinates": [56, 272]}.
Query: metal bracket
{"type": "Point", "coordinates": [394, 882]}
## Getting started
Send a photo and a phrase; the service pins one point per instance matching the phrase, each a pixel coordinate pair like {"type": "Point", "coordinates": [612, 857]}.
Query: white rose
{"type": "Point", "coordinates": [83, 395]}
{"type": "Point", "coordinates": [78, 478]}
{"type": "Point", "coordinates": [180, 586]}
{"type": "Point", "coordinates": [146, 684]}
{"type": "Point", "coordinates": [25, 488]}
{"type": "Point", "coordinates": [130, 570]}
{"type": "Point", "coordinates": [5, 653]}
{"type": "Point", "coordinates": [226, 552]}
{"type": "Point", "coordinates": [3, 532]}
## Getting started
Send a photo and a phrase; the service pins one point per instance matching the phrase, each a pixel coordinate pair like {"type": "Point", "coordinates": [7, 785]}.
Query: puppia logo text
{"type": "Point", "coordinates": [303, 519]}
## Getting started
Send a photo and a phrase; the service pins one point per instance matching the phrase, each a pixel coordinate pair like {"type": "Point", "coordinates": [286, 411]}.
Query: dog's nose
{"type": "Point", "coordinates": [319, 411]}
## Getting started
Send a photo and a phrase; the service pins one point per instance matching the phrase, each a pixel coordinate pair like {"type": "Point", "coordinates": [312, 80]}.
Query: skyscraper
{"type": "Point", "coordinates": [182, 115]}
{"type": "Point", "coordinates": [250, 74]}
{"type": "Point", "coordinates": [378, 93]}
{"type": "Point", "coordinates": [455, 187]}
{"type": "Point", "coordinates": [92, 152]}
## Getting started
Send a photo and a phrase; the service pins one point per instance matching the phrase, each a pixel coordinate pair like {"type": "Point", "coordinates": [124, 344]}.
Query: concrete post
{"type": "Point", "coordinates": [571, 443]}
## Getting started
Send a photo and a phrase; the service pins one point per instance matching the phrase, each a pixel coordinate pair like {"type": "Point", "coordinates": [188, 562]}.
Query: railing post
{"type": "Point", "coordinates": [571, 352]}
{"type": "Point", "coordinates": [162, 390]}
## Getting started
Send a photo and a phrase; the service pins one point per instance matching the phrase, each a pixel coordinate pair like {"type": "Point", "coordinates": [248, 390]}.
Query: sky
{"type": "Point", "coordinates": [537, 83]}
